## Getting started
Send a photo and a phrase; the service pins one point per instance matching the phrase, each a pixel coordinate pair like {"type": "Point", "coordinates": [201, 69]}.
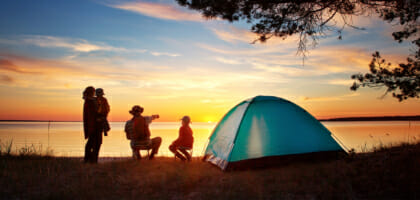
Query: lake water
{"type": "Point", "coordinates": [66, 138]}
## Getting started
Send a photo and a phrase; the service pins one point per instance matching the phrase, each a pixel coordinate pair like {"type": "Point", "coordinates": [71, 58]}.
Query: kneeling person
{"type": "Point", "coordinates": [184, 142]}
{"type": "Point", "coordinates": [140, 138]}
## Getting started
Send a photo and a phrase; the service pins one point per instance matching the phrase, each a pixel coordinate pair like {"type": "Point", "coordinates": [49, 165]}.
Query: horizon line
{"type": "Point", "coordinates": [364, 118]}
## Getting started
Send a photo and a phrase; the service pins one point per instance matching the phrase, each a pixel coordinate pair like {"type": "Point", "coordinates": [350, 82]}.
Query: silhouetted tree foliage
{"type": "Point", "coordinates": [403, 81]}
{"type": "Point", "coordinates": [310, 19]}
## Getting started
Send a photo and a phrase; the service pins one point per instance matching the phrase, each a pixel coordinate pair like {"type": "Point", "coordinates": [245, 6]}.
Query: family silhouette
{"type": "Point", "coordinates": [95, 123]}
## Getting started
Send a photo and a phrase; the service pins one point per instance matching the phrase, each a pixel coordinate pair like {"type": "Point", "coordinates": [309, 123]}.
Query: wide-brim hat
{"type": "Point", "coordinates": [136, 109]}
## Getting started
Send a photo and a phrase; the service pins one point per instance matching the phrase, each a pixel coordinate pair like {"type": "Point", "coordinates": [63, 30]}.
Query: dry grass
{"type": "Point", "coordinates": [388, 173]}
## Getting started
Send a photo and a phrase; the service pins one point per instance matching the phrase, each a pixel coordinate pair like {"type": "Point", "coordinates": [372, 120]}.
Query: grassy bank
{"type": "Point", "coordinates": [391, 173]}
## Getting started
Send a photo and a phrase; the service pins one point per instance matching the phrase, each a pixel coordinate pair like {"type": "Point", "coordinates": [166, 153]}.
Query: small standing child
{"type": "Point", "coordinates": [185, 140]}
{"type": "Point", "coordinates": [103, 110]}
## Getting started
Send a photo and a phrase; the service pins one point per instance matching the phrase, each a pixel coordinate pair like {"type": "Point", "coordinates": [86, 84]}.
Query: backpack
{"type": "Point", "coordinates": [129, 129]}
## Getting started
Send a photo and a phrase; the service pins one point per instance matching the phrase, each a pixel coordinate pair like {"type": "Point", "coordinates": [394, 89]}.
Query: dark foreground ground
{"type": "Point", "coordinates": [392, 173]}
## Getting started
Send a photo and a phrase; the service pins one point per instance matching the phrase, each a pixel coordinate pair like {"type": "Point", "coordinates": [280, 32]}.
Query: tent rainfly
{"type": "Point", "coordinates": [267, 126]}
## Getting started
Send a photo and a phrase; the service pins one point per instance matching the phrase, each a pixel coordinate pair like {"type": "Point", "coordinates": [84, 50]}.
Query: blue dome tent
{"type": "Point", "coordinates": [267, 126]}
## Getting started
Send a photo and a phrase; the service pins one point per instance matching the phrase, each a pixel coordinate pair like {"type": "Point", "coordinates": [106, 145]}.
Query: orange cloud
{"type": "Point", "coordinates": [159, 10]}
{"type": "Point", "coordinates": [9, 66]}
{"type": "Point", "coordinates": [6, 79]}
{"type": "Point", "coordinates": [47, 74]}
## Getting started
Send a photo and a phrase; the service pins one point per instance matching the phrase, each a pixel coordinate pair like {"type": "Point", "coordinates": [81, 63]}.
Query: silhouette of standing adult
{"type": "Point", "coordinates": [91, 126]}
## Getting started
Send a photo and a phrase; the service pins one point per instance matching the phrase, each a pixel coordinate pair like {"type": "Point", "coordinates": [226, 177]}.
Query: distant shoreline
{"type": "Point", "coordinates": [340, 119]}
{"type": "Point", "coordinates": [382, 118]}
{"type": "Point", "coordinates": [23, 120]}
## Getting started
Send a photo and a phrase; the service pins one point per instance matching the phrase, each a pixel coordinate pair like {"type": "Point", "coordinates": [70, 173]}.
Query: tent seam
{"type": "Point", "coordinates": [237, 131]}
{"type": "Point", "coordinates": [214, 129]}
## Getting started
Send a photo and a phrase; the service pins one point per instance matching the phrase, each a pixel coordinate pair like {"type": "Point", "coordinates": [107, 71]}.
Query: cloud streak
{"type": "Point", "coordinates": [236, 35]}
{"type": "Point", "coordinates": [159, 10]}
{"type": "Point", "coordinates": [50, 74]}
{"type": "Point", "coordinates": [9, 66]}
{"type": "Point", "coordinates": [53, 74]}
{"type": "Point", "coordinates": [77, 45]}
{"type": "Point", "coordinates": [227, 61]}
{"type": "Point", "coordinates": [164, 54]}
{"type": "Point", "coordinates": [330, 98]}
{"type": "Point", "coordinates": [344, 82]}
{"type": "Point", "coordinates": [281, 60]}
{"type": "Point", "coordinates": [6, 79]}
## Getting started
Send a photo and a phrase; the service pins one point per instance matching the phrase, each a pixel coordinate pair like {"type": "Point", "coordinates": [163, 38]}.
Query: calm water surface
{"type": "Point", "coordinates": [66, 138]}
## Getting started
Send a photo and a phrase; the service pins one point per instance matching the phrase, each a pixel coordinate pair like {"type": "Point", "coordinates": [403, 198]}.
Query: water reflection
{"type": "Point", "coordinates": [66, 138]}
{"type": "Point", "coordinates": [364, 136]}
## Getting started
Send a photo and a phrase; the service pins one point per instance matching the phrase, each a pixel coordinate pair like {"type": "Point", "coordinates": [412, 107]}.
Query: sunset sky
{"type": "Point", "coordinates": [173, 62]}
